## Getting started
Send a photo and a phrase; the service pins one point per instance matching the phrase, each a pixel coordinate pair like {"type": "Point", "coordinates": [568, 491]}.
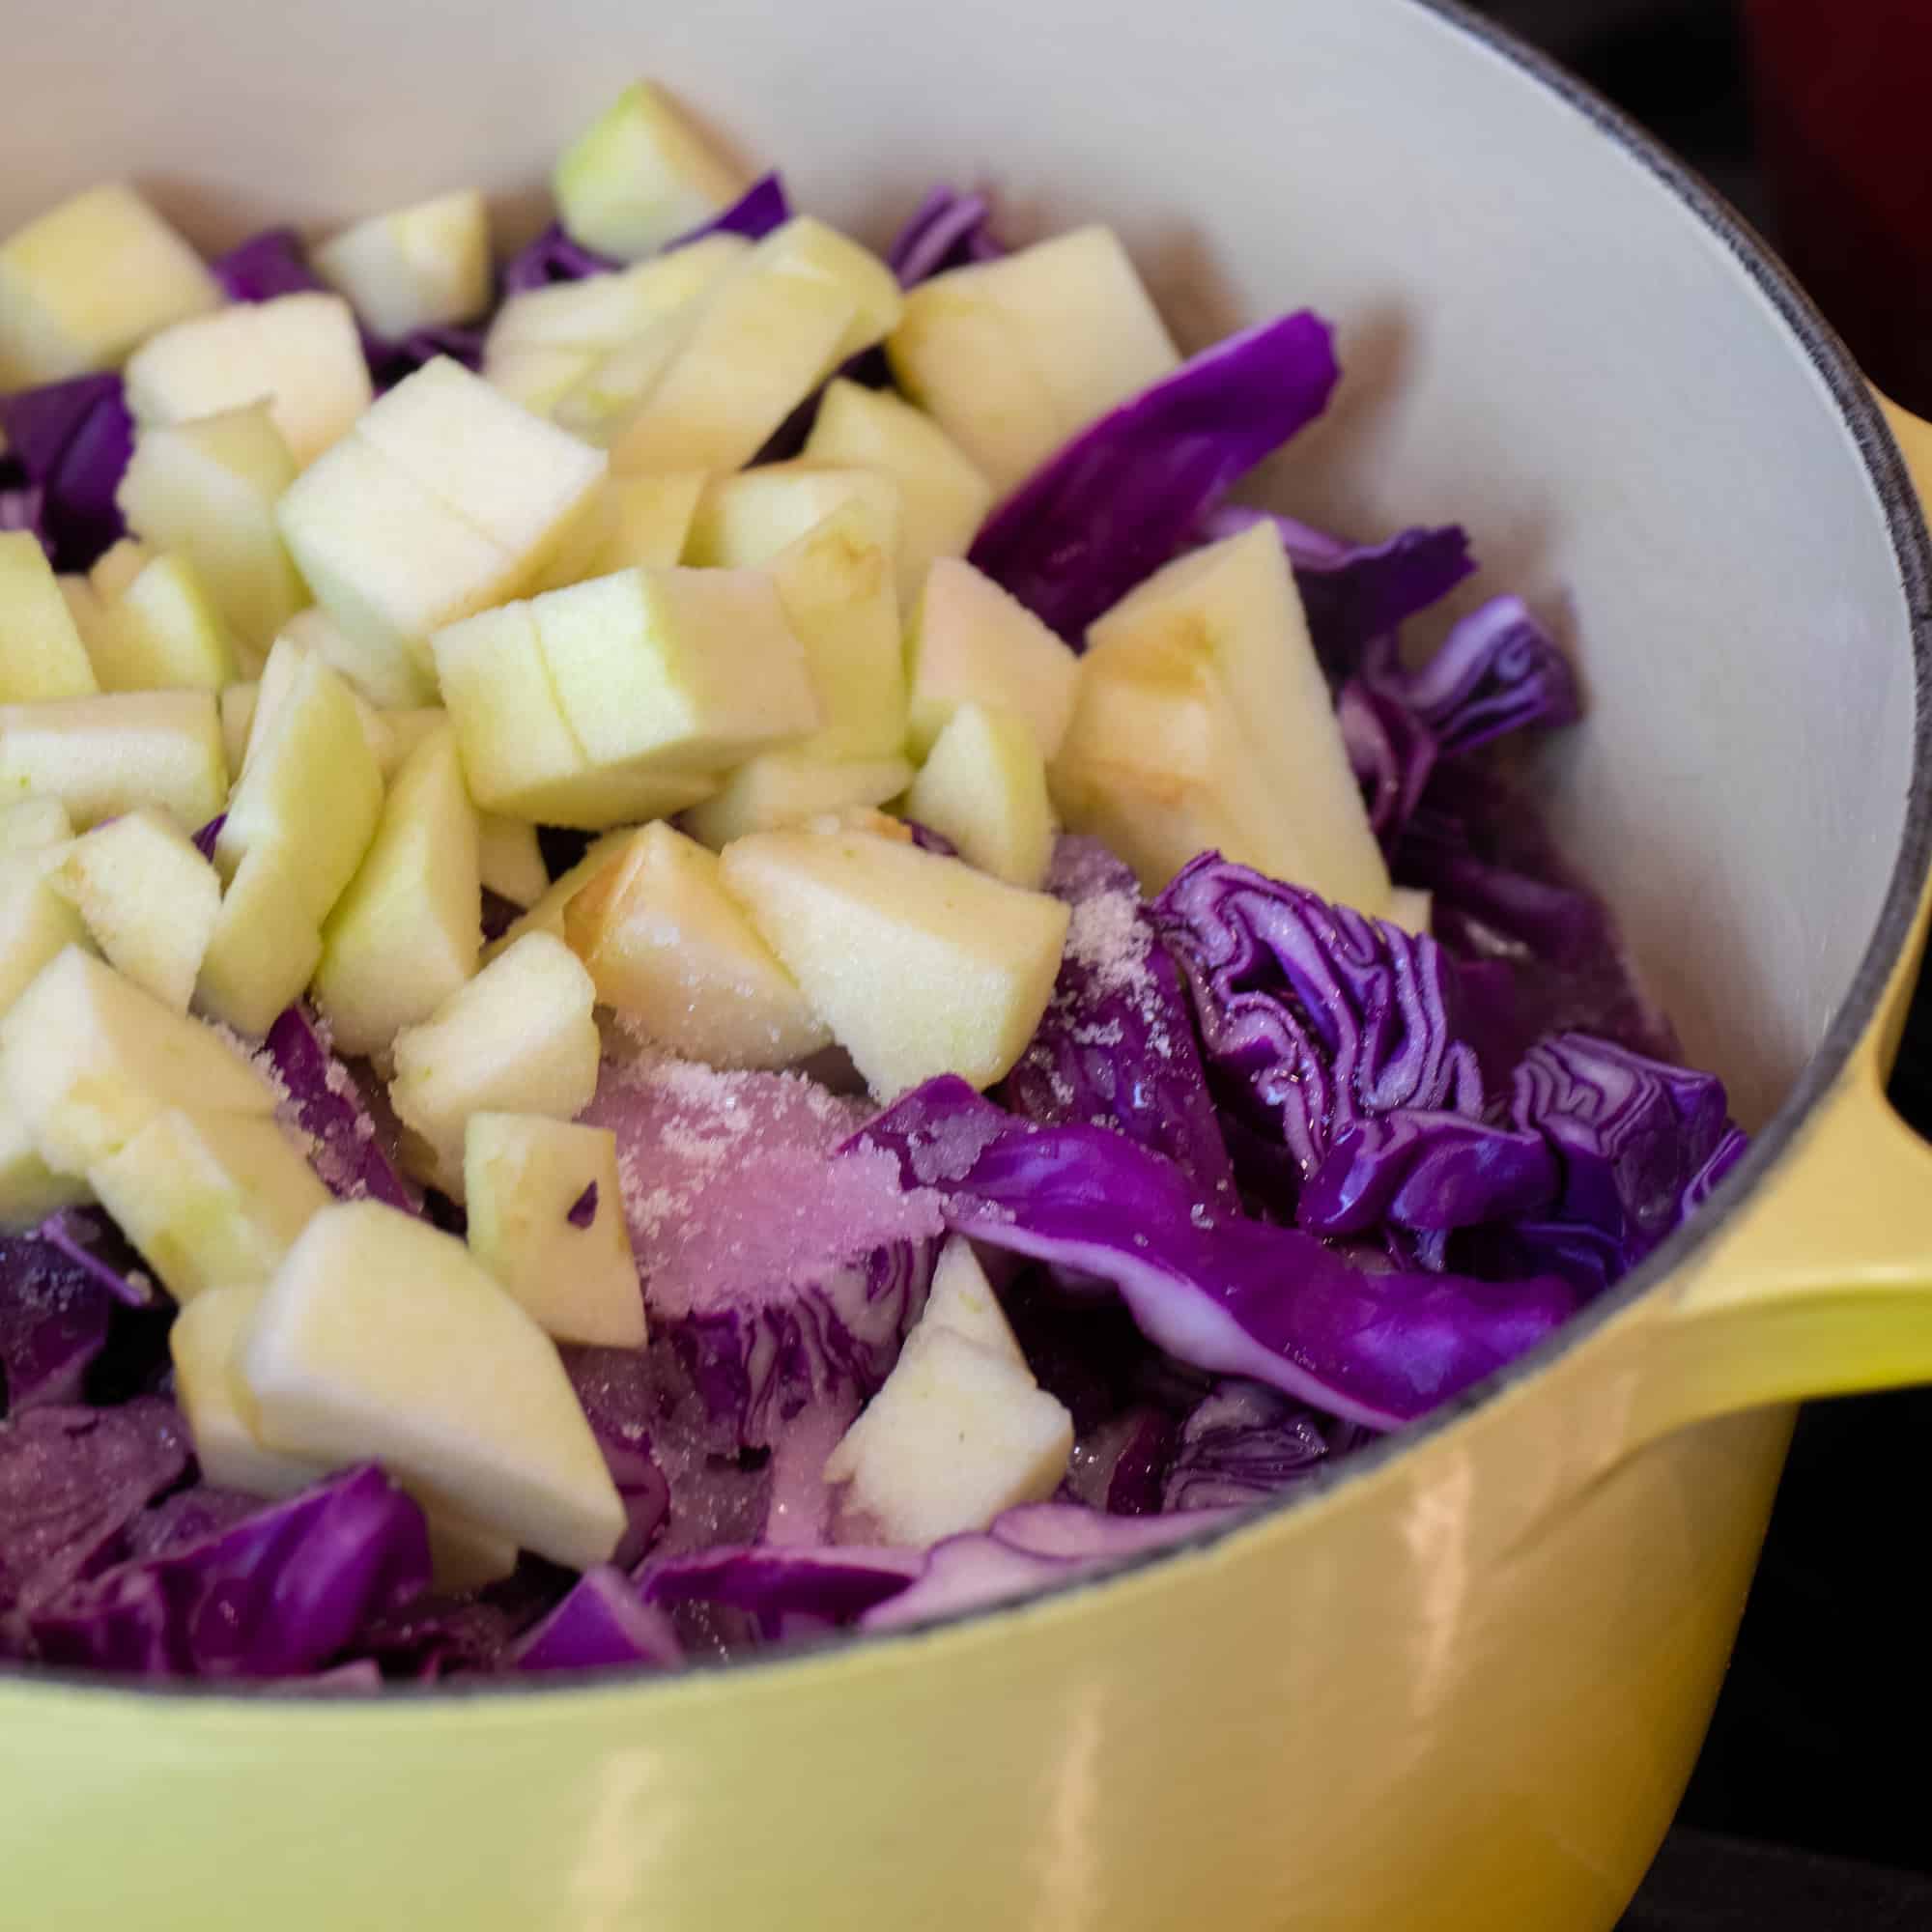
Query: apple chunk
{"type": "Point", "coordinates": [301, 352]}
{"type": "Point", "coordinates": [509, 859]}
{"type": "Point", "coordinates": [380, 1336]}
{"type": "Point", "coordinates": [919, 964]}
{"type": "Point", "coordinates": [87, 280]}
{"type": "Point", "coordinates": [959, 1433]}
{"type": "Point", "coordinates": [87, 1060]}
{"type": "Point", "coordinates": [971, 642]}
{"type": "Point", "coordinates": [209, 1200]}
{"type": "Point", "coordinates": [1231, 613]}
{"type": "Point", "coordinates": [30, 1190]}
{"type": "Point", "coordinates": [44, 655]}
{"type": "Point", "coordinates": [406, 932]}
{"type": "Point", "coordinates": [961, 1299]}
{"type": "Point", "coordinates": [205, 1345]}
{"type": "Point", "coordinates": [148, 898]}
{"type": "Point", "coordinates": [164, 632]}
{"type": "Point", "coordinates": [641, 175]}
{"type": "Point", "coordinates": [264, 948]}
{"type": "Point", "coordinates": [985, 788]}
{"type": "Point", "coordinates": [520, 1038]}
{"type": "Point", "coordinates": [791, 788]}
{"type": "Point", "coordinates": [743, 521]}
{"type": "Point", "coordinates": [415, 267]}
{"type": "Point", "coordinates": [547, 1219]}
{"type": "Point", "coordinates": [310, 790]}
{"type": "Point", "coordinates": [37, 922]}
{"type": "Point", "coordinates": [632, 522]}
{"type": "Point", "coordinates": [942, 497]}
{"type": "Point", "coordinates": [692, 670]}
{"type": "Point", "coordinates": [101, 757]}
{"type": "Point", "coordinates": [209, 489]}
{"type": "Point", "coordinates": [668, 946]}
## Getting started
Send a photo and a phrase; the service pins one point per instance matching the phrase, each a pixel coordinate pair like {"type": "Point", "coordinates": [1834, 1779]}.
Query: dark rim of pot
{"type": "Point", "coordinates": [1912, 552]}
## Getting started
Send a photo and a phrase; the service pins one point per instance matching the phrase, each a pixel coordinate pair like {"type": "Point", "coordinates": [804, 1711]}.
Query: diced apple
{"type": "Point", "coordinates": [545, 343]}
{"type": "Point", "coordinates": [509, 862]}
{"type": "Point", "coordinates": [743, 521]}
{"type": "Point", "coordinates": [771, 330]}
{"type": "Point", "coordinates": [162, 631]}
{"type": "Point", "coordinates": [281, 675]}
{"type": "Point", "coordinates": [641, 175]}
{"type": "Point", "coordinates": [962, 1302]}
{"type": "Point", "coordinates": [205, 1343]}
{"type": "Point", "coordinates": [1017, 356]}
{"type": "Point", "coordinates": [300, 352]}
{"type": "Point", "coordinates": [520, 1038]}
{"type": "Point", "coordinates": [34, 825]}
{"type": "Point", "coordinates": [238, 717]}
{"type": "Point", "coordinates": [148, 898]}
{"type": "Point", "coordinates": [636, 522]}
{"type": "Point", "coordinates": [208, 489]}
{"type": "Point", "coordinates": [30, 1190]}
{"type": "Point", "coordinates": [209, 1200]}
{"type": "Point", "coordinates": [942, 497]}
{"type": "Point", "coordinates": [310, 790]}
{"type": "Point", "coordinates": [109, 755]}
{"type": "Point", "coordinates": [264, 947]}
{"type": "Point", "coordinates": [970, 642]}
{"type": "Point", "coordinates": [790, 788]}
{"type": "Point", "coordinates": [546, 915]}
{"type": "Point", "coordinates": [668, 946]}
{"type": "Point", "coordinates": [44, 656]}
{"type": "Point", "coordinates": [447, 498]}
{"type": "Point", "coordinates": [520, 480]}
{"type": "Point", "coordinates": [520, 757]}
{"type": "Point", "coordinates": [36, 923]}
{"type": "Point", "coordinates": [547, 1219]}
{"type": "Point", "coordinates": [89, 279]}
{"type": "Point", "coordinates": [402, 731]}
{"type": "Point", "coordinates": [389, 675]}
{"type": "Point", "coordinates": [466, 1555]}
{"type": "Point", "coordinates": [985, 788]}
{"type": "Point", "coordinates": [919, 964]}
{"type": "Point", "coordinates": [380, 1337]}
{"type": "Point", "coordinates": [1157, 767]}
{"type": "Point", "coordinates": [602, 312]}
{"type": "Point", "coordinates": [600, 403]}
{"type": "Point", "coordinates": [692, 670]}
{"type": "Point", "coordinates": [413, 268]}
{"type": "Point", "coordinates": [405, 934]}
{"type": "Point", "coordinates": [118, 566]}
{"type": "Point", "coordinates": [958, 1433]}
{"type": "Point", "coordinates": [510, 727]}
{"type": "Point", "coordinates": [87, 1060]}
{"type": "Point", "coordinates": [1232, 607]}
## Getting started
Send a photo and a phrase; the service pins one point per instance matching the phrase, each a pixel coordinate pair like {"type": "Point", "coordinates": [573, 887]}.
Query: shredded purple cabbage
{"type": "Point", "coordinates": [946, 229]}
{"type": "Point", "coordinates": [71, 442]}
{"type": "Point", "coordinates": [1119, 500]}
{"type": "Point", "coordinates": [326, 1104]}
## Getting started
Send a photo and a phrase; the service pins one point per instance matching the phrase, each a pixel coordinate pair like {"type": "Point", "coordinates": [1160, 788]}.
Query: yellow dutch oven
{"type": "Point", "coordinates": [1461, 1682]}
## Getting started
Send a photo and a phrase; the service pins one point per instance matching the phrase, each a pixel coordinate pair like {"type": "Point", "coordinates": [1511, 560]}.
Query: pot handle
{"type": "Point", "coordinates": [1822, 1285]}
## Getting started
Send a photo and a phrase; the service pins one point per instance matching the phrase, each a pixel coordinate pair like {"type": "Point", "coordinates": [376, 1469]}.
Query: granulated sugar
{"type": "Point", "coordinates": [730, 1189]}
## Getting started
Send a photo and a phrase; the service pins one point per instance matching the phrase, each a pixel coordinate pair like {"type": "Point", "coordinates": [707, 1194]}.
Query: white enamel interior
{"type": "Point", "coordinates": [1541, 341]}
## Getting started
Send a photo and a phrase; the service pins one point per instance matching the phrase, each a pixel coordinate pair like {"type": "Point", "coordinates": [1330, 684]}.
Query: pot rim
{"type": "Point", "coordinates": [1911, 548]}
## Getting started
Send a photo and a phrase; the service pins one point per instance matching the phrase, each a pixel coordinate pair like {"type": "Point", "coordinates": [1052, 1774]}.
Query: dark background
{"type": "Point", "coordinates": [1822, 1742]}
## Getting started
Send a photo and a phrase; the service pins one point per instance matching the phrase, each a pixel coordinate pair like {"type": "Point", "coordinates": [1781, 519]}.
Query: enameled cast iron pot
{"type": "Point", "coordinates": [1460, 1684]}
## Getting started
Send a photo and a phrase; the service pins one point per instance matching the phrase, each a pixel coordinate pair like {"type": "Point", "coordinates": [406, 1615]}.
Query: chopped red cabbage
{"type": "Point", "coordinates": [72, 1480]}
{"type": "Point", "coordinates": [72, 442]}
{"type": "Point", "coordinates": [325, 1103]}
{"type": "Point", "coordinates": [1119, 500]}
{"type": "Point", "coordinates": [1116, 1046]}
{"type": "Point", "coordinates": [90, 1241]}
{"type": "Point", "coordinates": [1221, 1292]}
{"type": "Point", "coordinates": [946, 229]}
{"type": "Point", "coordinates": [601, 1622]}
{"type": "Point", "coordinates": [276, 1595]}
{"type": "Point", "coordinates": [54, 1320]}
